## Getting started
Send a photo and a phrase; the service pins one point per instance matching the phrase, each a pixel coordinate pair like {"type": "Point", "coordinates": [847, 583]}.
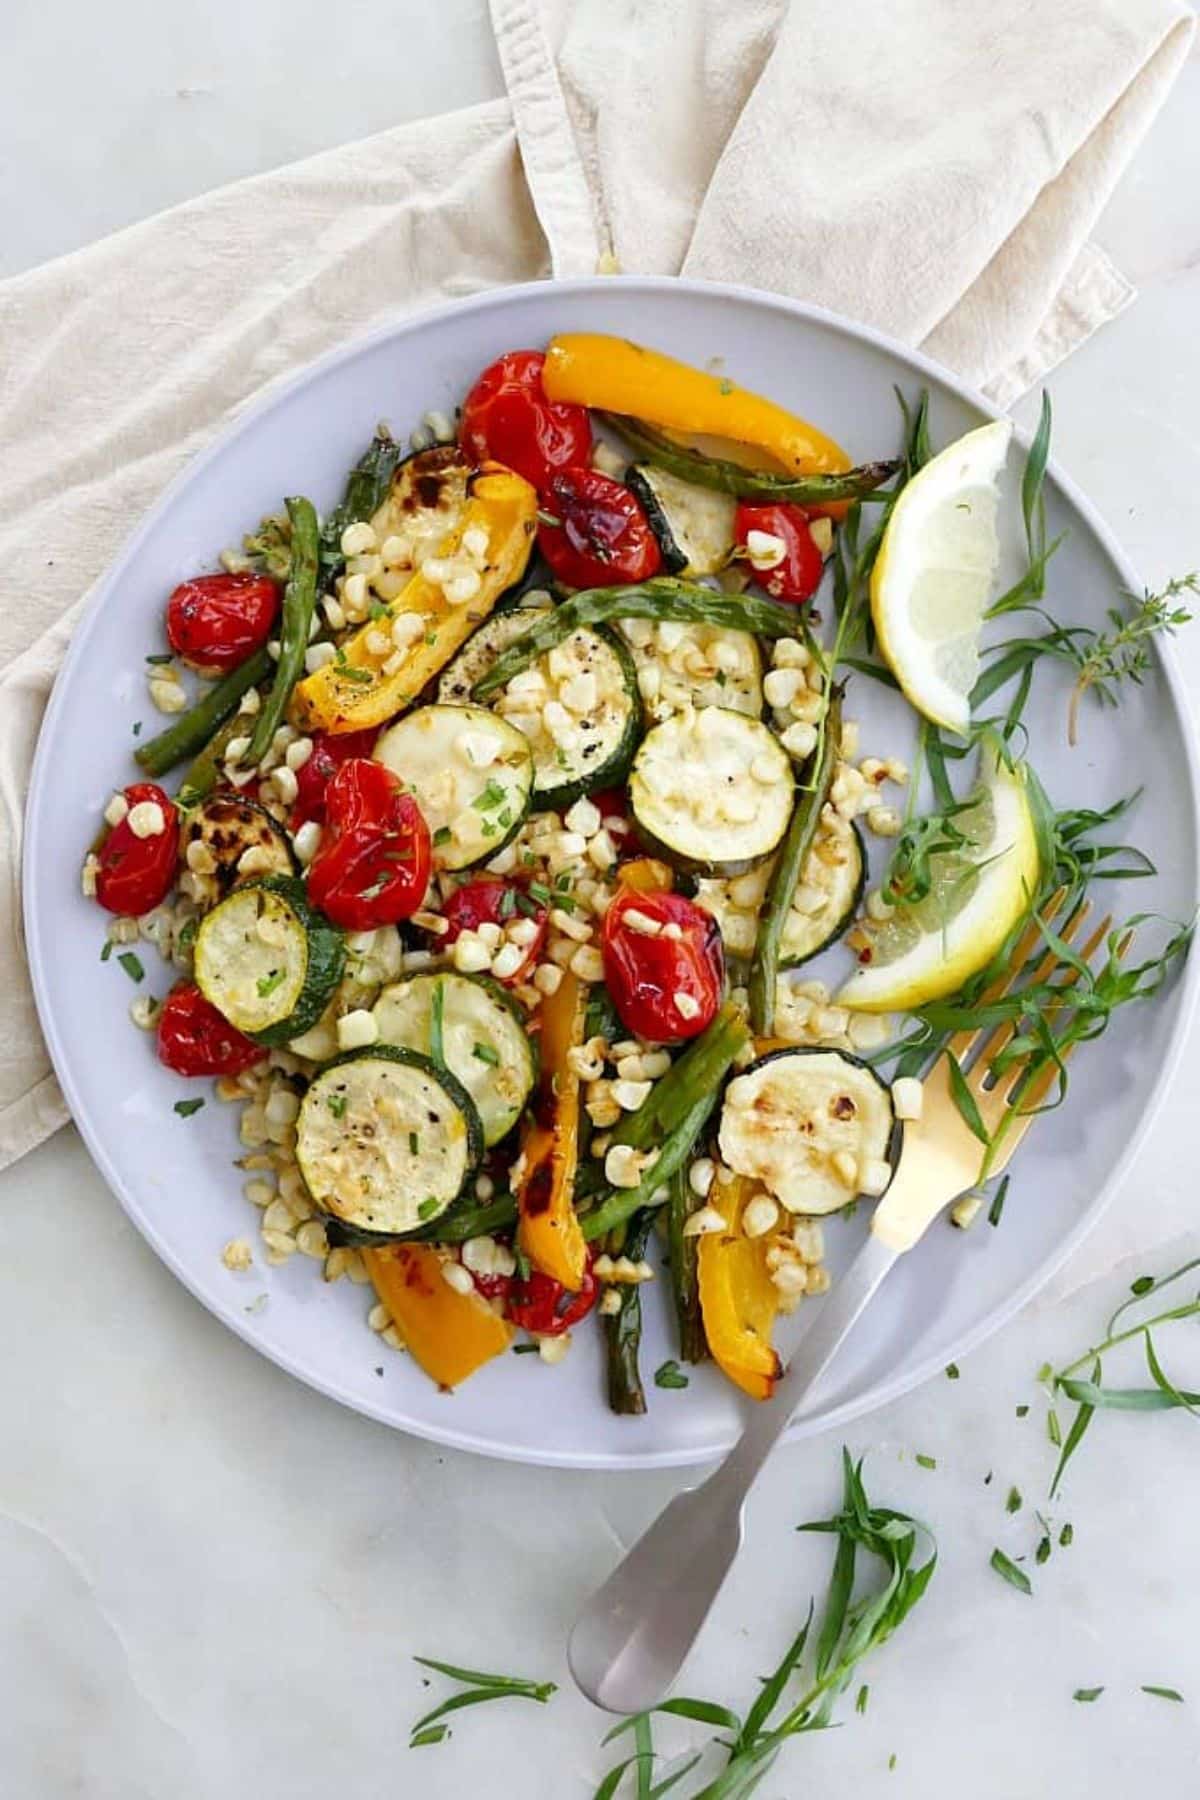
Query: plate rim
{"type": "Point", "coordinates": [231, 1315]}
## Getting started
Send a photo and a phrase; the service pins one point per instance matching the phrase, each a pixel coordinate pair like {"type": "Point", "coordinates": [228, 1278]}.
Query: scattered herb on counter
{"type": "Point", "coordinates": [1087, 1695]}
{"type": "Point", "coordinates": [1007, 1569]}
{"type": "Point", "coordinates": [926, 1462]}
{"type": "Point", "coordinates": [952, 1371]}
{"type": "Point", "coordinates": [1164, 1693]}
{"type": "Point", "coordinates": [185, 1108]}
{"type": "Point", "coordinates": [1013, 1503]}
{"type": "Point", "coordinates": [132, 965]}
{"type": "Point", "coordinates": [670, 1375]}
{"type": "Point", "coordinates": [107, 951]}
{"type": "Point", "coordinates": [478, 1688]}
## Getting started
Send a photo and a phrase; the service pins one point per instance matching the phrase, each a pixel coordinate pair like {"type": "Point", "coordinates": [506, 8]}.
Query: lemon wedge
{"type": "Point", "coordinates": [935, 571]}
{"type": "Point", "coordinates": [979, 888]}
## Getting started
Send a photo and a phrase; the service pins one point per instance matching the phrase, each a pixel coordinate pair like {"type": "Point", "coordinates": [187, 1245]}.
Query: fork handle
{"type": "Point", "coordinates": [630, 1641]}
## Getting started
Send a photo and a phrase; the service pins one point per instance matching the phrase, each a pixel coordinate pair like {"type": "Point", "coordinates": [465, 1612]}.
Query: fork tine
{"type": "Point", "coordinates": [994, 1038]}
{"type": "Point", "coordinates": [962, 1042]}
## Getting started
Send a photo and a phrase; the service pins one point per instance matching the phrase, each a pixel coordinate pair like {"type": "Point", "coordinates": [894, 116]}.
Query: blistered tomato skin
{"type": "Point", "coordinates": [373, 865]}
{"type": "Point", "coordinates": [797, 576]}
{"type": "Point", "coordinates": [508, 419]}
{"type": "Point", "coordinates": [663, 965]}
{"type": "Point", "coordinates": [493, 901]}
{"type": "Point", "coordinates": [137, 873]}
{"type": "Point", "coordinates": [329, 751]}
{"type": "Point", "coordinates": [602, 537]}
{"type": "Point", "coordinates": [545, 1307]}
{"type": "Point", "coordinates": [193, 1038]}
{"type": "Point", "coordinates": [217, 621]}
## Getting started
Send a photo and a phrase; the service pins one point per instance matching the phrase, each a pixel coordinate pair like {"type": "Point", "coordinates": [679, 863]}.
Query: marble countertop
{"type": "Point", "coordinates": [215, 1580]}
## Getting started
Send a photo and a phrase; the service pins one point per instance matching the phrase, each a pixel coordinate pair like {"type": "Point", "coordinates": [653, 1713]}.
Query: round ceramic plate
{"type": "Point", "coordinates": [175, 1176]}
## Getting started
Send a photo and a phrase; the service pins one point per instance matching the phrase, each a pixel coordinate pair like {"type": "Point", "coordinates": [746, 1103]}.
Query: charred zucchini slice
{"type": "Point", "coordinates": [823, 907]}
{"type": "Point", "coordinates": [693, 525]}
{"type": "Point", "coordinates": [386, 1142]}
{"type": "Point", "coordinates": [712, 791]}
{"type": "Point", "coordinates": [267, 961]}
{"type": "Point", "coordinates": [227, 825]}
{"type": "Point", "coordinates": [470, 773]}
{"type": "Point", "coordinates": [816, 1127]}
{"type": "Point", "coordinates": [484, 646]}
{"type": "Point", "coordinates": [484, 1039]}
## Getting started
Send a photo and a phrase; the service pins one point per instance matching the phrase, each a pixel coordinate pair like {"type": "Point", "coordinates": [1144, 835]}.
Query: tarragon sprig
{"type": "Point", "coordinates": [478, 1689]}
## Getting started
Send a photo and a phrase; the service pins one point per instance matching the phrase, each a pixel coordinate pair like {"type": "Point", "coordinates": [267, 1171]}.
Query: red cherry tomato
{"type": "Point", "coordinates": [798, 576]}
{"type": "Point", "coordinates": [217, 621]}
{"type": "Point", "coordinates": [647, 972]}
{"type": "Point", "coordinates": [508, 419]}
{"type": "Point", "coordinates": [329, 751]}
{"type": "Point", "coordinates": [545, 1306]}
{"type": "Point", "coordinates": [136, 873]}
{"type": "Point", "coordinates": [603, 537]}
{"type": "Point", "coordinates": [373, 864]}
{"type": "Point", "coordinates": [489, 900]}
{"type": "Point", "coordinates": [195, 1039]}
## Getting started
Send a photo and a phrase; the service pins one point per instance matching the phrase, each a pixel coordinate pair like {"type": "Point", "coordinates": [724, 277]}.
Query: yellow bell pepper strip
{"type": "Point", "coordinates": [645, 875]}
{"type": "Point", "coordinates": [449, 1334]}
{"type": "Point", "coordinates": [549, 1231]}
{"type": "Point", "coordinates": [610, 373]}
{"type": "Point", "coordinates": [355, 691]}
{"type": "Point", "coordinates": [738, 1300]}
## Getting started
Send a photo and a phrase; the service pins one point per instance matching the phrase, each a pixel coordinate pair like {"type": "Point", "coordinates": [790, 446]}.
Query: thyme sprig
{"type": "Point", "coordinates": [1121, 653]}
{"type": "Point", "coordinates": [854, 1623]}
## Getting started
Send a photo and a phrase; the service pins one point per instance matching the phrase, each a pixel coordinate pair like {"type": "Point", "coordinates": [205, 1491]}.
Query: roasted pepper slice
{"type": "Point", "coordinates": [645, 875]}
{"type": "Point", "coordinates": [449, 1334]}
{"type": "Point", "coordinates": [738, 1300]}
{"type": "Point", "coordinates": [549, 1231]}
{"type": "Point", "coordinates": [354, 691]}
{"type": "Point", "coordinates": [589, 369]}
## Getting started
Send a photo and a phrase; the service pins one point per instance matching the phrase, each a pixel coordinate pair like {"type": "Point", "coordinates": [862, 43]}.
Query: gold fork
{"type": "Point", "coordinates": [630, 1640]}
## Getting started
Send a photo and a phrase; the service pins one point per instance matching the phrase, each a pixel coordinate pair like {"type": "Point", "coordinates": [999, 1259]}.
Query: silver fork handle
{"type": "Point", "coordinates": [630, 1641]}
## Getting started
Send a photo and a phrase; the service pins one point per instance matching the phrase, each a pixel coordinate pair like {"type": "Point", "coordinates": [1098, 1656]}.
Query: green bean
{"type": "Point", "coordinates": [299, 602]}
{"type": "Point", "coordinates": [797, 845]}
{"type": "Point", "coordinates": [366, 490]}
{"type": "Point", "coordinates": [663, 598]}
{"type": "Point", "coordinates": [623, 1328]}
{"type": "Point", "coordinates": [621, 1203]}
{"type": "Point", "coordinates": [205, 773]}
{"type": "Point", "coordinates": [192, 729]}
{"type": "Point", "coordinates": [461, 1223]}
{"type": "Point", "coordinates": [748, 484]}
{"type": "Point", "coordinates": [685, 1283]}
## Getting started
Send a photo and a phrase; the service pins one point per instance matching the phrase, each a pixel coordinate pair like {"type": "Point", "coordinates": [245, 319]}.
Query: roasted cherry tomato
{"type": "Point", "coordinates": [195, 1039]}
{"type": "Point", "coordinates": [542, 1305]}
{"type": "Point", "coordinates": [489, 900]}
{"type": "Point", "coordinates": [136, 873]}
{"type": "Point", "coordinates": [329, 751]}
{"type": "Point", "coordinates": [217, 621]}
{"type": "Point", "coordinates": [661, 950]}
{"type": "Point", "coordinates": [508, 419]}
{"type": "Point", "coordinates": [373, 865]}
{"type": "Point", "coordinates": [797, 576]}
{"type": "Point", "coordinates": [602, 538]}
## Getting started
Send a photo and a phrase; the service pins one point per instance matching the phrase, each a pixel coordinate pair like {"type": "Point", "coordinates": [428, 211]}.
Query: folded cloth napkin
{"type": "Point", "coordinates": [931, 168]}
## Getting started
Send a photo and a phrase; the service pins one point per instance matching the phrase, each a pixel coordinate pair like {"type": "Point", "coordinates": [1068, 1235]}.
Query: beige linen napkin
{"type": "Point", "coordinates": [930, 167]}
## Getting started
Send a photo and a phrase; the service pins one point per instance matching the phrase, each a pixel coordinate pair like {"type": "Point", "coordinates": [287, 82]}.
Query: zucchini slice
{"type": "Point", "coordinates": [693, 525]}
{"type": "Point", "coordinates": [828, 896]}
{"type": "Point", "coordinates": [470, 773]}
{"type": "Point", "coordinates": [579, 707]}
{"type": "Point", "coordinates": [694, 665]}
{"type": "Point", "coordinates": [484, 646]}
{"type": "Point", "coordinates": [267, 961]}
{"type": "Point", "coordinates": [426, 502]}
{"type": "Point", "coordinates": [386, 1142]}
{"type": "Point", "coordinates": [712, 791]}
{"type": "Point", "coordinates": [790, 1117]}
{"type": "Point", "coordinates": [228, 825]}
{"type": "Point", "coordinates": [484, 1040]}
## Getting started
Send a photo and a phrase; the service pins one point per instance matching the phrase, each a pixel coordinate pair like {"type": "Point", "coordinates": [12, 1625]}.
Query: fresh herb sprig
{"type": "Point", "coordinates": [852, 1626]}
{"type": "Point", "coordinates": [1088, 1390]}
{"type": "Point", "coordinates": [1121, 653]}
{"type": "Point", "coordinates": [479, 1688]}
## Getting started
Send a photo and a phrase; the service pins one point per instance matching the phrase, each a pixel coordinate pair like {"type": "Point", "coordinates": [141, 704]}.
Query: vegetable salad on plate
{"type": "Point", "coordinates": [512, 802]}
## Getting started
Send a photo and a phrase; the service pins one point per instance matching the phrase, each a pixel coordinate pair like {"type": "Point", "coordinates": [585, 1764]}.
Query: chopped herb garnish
{"type": "Point", "coordinates": [1042, 1553]}
{"type": "Point", "coordinates": [1086, 1695]}
{"type": "Point", "coordinates": [485, 1054]}
{"type": "Point", "coordinates": [107, 951]}
{"type": "Point", "coordinates": [1008, 1570]}
{"type": "Point", "coordinates": [1022, 1412]}
{"type": "Point", "coordinates": [427, 1208]}
{"type": "Point", "coordinates": [377, 610]}
{"type": "Point", "coordinates": [508, 903]}
{"type": "Point", "coordinates": [952, 1371]}
{"type": "Point", "coordinates": [998, 1199]}
{"type": "Point", "coordinates": [523, 1263]}
{"type": "Point", "coordinates": [437, 1025]}
{"type": "Point", "coordinates": [266, 984]}
{"type": "Point", "coordinates": [1066, 1536]}
{"type": "Point", "coordinates": [137, 728]}
{"type": "Point", "coordinates": [1013, 1503]}
{"type": "Point", "coordinates": [539, 891]}
{"type": "Point", "coordinates": [1053, 1428]}
{"type": "Point", "coordinates": [724, 386]}
{"type": "Point", "coordinates": [337, 1105]}
{"type": "Point", "coordinates": [524, 1349]}
{"type": "Point", "coordinates": [361, 676]}
{"type": "Point", "coordinates": [860, 1699]}
{"type": "Point", "coordinates": [442, 835]}
{"type": "Point", "coordinates": [414, 1143]}
{"type": "Point", "coordinates": [926, 1462]}
{"type": "Point", "coordinates": [160, 657]}
{"type": "Point", "coordinates": [432, 1734]}
{"type": "Point", "coordinates": [1164, 1693]}
{"type": "Point", "coordinates": [493, 795]}
{"type": "Point", "coordinates": [185, 1108]}
{"type": "Point", "coordinates": [132, 965]}
{"type": "Point", "coordinates": [670, 1375]}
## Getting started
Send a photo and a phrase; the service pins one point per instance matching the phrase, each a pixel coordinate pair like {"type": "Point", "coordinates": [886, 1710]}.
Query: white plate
{"type": "Point", "coordinates": [174, 1176]}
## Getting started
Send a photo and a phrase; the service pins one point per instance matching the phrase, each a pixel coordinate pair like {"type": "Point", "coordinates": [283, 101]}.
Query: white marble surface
{"type": "Point", "coordinates": [213, 1579]}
